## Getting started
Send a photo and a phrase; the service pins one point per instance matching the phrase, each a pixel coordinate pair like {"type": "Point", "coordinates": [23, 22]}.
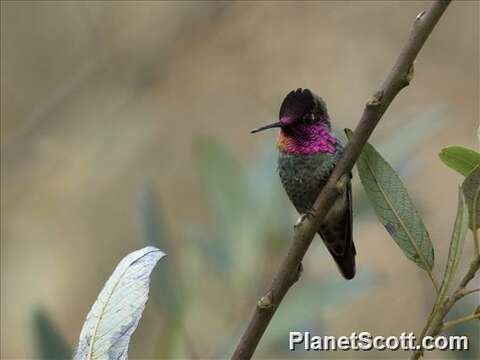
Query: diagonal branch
{"type": "Point", "coordinates": [288, 272]}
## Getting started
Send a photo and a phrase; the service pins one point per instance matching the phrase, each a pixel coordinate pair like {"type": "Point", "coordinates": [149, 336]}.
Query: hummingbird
{"type": "Point", "coordinates": [307, 153]}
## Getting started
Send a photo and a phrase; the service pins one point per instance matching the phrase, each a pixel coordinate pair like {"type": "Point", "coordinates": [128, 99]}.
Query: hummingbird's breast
{"type": "Point", "coordinates": [303, 176]}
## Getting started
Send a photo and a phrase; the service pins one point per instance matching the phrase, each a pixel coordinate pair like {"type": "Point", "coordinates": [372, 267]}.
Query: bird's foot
{"type": "Point", "coordinates": [303, 217]}
{"type": "Point", "coordinates": [341, 184]}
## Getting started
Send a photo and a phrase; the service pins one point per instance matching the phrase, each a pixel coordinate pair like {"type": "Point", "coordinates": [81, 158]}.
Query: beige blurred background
{"type": "Point", "coordinates": [99, 97]}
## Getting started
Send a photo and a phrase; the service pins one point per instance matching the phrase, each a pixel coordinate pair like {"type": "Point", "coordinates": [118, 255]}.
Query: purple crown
{"type": "Point", "coordinates": [296, 104]}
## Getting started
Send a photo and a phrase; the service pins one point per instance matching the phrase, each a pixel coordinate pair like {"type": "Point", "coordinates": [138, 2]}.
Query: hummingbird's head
{"type": "Point", "coordinates": [304, 124]}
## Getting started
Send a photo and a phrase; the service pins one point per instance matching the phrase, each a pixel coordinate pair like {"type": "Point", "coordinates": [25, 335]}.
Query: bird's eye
{"type": "Point", "coordinates": [309, 119]}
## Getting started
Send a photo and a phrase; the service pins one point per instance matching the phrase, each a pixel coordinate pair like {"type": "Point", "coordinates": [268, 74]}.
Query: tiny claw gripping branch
{"type": "Point", "coordinates": [420, 15]}
{"type": "Point", "coordinates": [341, 184]}
{"type": "Point", "coordinates": [301, 220]}
{"type": "Point", "coordinates": [302, 238]}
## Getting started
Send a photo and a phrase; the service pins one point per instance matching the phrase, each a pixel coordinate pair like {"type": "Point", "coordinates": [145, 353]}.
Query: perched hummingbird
{"type": "Point", "coordinates": [308, 152]}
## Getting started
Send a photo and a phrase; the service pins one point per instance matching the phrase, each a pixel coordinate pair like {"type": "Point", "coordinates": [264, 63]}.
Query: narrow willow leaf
{"type": "Point", "coordinates": [456, 246]}
{"type": "Point", "coordinates": [223, 179]}
{"type": "Point", "coordinates": [471, 186]}
{"type": "Point", "coordinates": [50, 343]}
{"type": "Point", "coordinates": [166, 284]}
{"type": "Point", "coordinates": [152, 226]}
{"type": "Point", "coordinates": [460, 158]}
{"type": "Point", "coordinates": [115, 314]}
{"type": "Point", "coordinates": [394, 208]}
{"type": "Point", "coordinates": [224, 183]}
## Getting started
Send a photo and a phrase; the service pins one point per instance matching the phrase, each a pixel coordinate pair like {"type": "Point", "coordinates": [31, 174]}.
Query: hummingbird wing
{"type": "Point", "coordinates": [336, 232]}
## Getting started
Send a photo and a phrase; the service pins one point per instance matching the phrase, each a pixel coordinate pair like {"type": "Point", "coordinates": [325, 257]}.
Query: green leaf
{"type": "Point", "coordinates": [224, 182]}
{"type": "Point", "coordinates": [153, 229]}
{"type": "Point", "coordinates": [460, 158]}
{"type": "Point", "coordinates": [115, 314]}
{"type": "Point", "coordinates": [471, 187]}
{"type": "Point", "coordinates": [394, 208]}
{"type": "Point", "coordinates": [456, 246]}
{"type": "Point", "coordinates": [50, 343]}
{"type": "Point", "coordinates": [167, 285]}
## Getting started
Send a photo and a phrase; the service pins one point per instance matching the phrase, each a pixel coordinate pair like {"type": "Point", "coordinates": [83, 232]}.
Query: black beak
{"type": "Point", "coordinates": [271, 126]}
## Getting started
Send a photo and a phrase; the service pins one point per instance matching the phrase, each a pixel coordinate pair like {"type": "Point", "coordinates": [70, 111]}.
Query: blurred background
{"type": "Point", "coordinates": [128, 123]}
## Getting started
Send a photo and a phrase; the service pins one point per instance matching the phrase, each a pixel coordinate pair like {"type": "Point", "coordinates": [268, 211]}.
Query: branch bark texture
{"type": "Point", "coordinates": [376, 106]}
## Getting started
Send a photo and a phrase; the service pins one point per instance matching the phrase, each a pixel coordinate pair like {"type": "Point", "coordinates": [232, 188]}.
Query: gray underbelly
{"type": "Point", "coordinates": [303, 176]}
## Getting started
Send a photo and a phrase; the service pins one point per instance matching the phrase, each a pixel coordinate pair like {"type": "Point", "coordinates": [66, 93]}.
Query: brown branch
{"type": "Point", "coordinates": [288, 272]}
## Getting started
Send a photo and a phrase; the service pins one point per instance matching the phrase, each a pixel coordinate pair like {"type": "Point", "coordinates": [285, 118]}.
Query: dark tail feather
{"type": "Point", "coordinates": [346, 263]}
{"type": "Point", "coordinates": [337, 235]}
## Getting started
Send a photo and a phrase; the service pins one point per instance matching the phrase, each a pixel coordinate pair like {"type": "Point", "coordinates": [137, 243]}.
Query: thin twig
{"type": "Point", "coordinates": [448, 324]}
{"type": "Point", "coordinates": [476, 242]}
{"type": "Point", "coordinates": [288, 273]}
{"type": "Point", "coordinates": [471, 291]}
{"type": "Point", "coordinates": [474, 266]}
{"type": "Point", "coordinates": [435, 325]}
